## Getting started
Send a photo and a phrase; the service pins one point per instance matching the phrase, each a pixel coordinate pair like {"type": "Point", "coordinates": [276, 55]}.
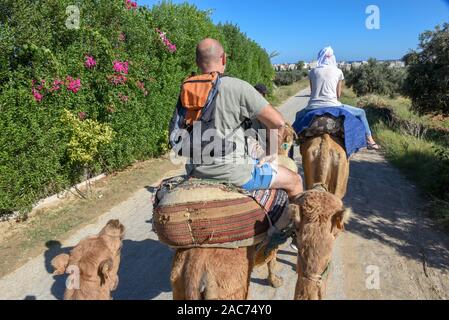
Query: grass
{"type": "Point", "coordinates": [413, 154]}
{"type": "Point", "coordinates": [20, 241]}
{"type": "Point", "coordinates": [281, 94]}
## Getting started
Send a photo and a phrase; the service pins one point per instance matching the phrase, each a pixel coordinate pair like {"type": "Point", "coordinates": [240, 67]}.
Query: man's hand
{"type": "Point", "coordinates": [268, 159]}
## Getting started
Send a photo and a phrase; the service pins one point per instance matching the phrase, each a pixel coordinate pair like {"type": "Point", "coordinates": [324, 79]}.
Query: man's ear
{"type": "Point", "coordinates": [60, 264]}
{"type": "Point", "coordinates": [225, 59]}
{"type": "Point", "coordinates": [340, 219]}
{"type": "Point", "coordinates": [104, 270]}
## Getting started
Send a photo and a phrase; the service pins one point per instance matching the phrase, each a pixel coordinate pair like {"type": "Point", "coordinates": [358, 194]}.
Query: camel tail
{"type": "Point", "coordinates": [201, 285]}
{"type": "Point", "coordinates": [324, 161]}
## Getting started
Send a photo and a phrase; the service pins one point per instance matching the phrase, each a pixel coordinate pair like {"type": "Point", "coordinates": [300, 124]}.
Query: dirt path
{"type": "Point", "coordinates": [388, 236]}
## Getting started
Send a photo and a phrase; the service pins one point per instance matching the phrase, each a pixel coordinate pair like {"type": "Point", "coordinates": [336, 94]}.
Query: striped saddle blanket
{"type": "Point", "coordinates": [192, 213]}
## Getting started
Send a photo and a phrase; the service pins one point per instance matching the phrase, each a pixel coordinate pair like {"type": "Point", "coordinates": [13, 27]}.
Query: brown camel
{"type": "Point", "coordinates": [224, 274]}
{"type": "Point", "coordinates": [321, 219]}
{"type": "Point", "coordinates": [325, 163]}
{"type": "Point", "coordinates": [93, 265]}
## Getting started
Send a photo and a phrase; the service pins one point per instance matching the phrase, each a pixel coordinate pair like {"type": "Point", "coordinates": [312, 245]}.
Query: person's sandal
{"type": "Point", "coordinates": [373, 146]}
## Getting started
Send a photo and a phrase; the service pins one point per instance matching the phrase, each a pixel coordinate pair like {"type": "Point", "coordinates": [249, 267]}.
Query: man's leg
{"type": "Point", "coordinates": [289, 181]}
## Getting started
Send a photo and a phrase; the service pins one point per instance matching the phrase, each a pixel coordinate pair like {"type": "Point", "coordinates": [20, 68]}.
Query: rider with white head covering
{"type": "Point", "coordinates": [326, 57]}
{"type": "Point", "coordinates": [326, 82]}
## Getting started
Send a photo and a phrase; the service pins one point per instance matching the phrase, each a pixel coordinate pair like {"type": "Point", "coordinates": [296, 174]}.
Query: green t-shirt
{"type": "Point", "coordinates": [236, 101]}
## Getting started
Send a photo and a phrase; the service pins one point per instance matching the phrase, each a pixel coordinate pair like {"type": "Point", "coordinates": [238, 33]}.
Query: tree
{"type": "Point", "coordinates": [427, 82]}
{"type": "Point", "coordinates": [300, 65]}
{"type": "Point", "coordinates": [376, 77]}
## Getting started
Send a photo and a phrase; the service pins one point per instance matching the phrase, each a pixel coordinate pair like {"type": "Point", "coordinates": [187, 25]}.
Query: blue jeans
{"type": "Point", "coordinates": [360, 114]}
{"type": "Point", "coordinates": [356, 112]}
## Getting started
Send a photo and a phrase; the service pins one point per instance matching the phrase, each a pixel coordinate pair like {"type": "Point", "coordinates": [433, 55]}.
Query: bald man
{"type": "Point", "coordinates": [237, 101]}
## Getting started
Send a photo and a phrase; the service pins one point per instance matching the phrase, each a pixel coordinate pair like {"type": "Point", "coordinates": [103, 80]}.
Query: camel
{"type": "Point", "coordinates": [224, 274]}
{"type": "Point", "coordinates": [321, 219]}
{"type": "Point", "coordinates": [325, 163]}
{"type": "Point", "coordinates": [190, 263]}
{"type": "Point", "coordinates": [93, 264]}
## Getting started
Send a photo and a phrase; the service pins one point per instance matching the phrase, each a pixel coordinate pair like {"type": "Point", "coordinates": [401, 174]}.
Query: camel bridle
{"type": "Point", "coordinates": [318, 279]}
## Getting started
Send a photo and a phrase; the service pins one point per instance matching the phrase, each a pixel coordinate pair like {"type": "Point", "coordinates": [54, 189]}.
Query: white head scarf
{"type": "Point", "coordinates": [326, 57]}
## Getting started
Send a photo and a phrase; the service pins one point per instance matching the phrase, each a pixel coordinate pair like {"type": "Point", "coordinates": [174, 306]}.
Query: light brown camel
{"type": "Point", "coordinates": [93, 264]}
{"type": "Point", "coordinates": [224, 274]}
{"type": "Point", "coordinates": [321, 219]}
{"type": "Point", "coordinates": [325, 163]}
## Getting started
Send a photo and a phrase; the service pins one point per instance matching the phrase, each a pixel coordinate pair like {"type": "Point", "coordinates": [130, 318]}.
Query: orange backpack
{"type": "Point", "coordinates": [197, 93]}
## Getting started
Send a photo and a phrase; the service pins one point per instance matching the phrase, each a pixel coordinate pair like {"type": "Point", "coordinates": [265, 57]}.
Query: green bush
{"type": "Point", "coordinates": [130, 86]}
{"type": "Point", "coordinates": [375, 78]}
{"type": "Point", "coordinates": [427, 83]}
{"type": "Point", "coordinates": [286, 78]}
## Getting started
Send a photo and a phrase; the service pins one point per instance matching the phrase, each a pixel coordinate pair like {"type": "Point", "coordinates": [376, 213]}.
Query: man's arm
{"type": "Point", "coordinates": [273, 120]}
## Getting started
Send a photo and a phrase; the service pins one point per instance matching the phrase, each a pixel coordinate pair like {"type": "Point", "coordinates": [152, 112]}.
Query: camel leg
{"type": "Point", "coordinates": [274, 280]}
{"type": "Point", "coordinates": [340, 170]}
{"type": "Point", "coordinates": [176, 277]}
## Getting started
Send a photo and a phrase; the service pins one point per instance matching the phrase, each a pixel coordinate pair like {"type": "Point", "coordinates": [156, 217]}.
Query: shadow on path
{"type": "Point", "coordinates": [390, 210]}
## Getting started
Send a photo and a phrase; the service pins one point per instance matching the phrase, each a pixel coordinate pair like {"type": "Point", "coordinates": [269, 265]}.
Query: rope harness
{"type": "Point", "coordinates": [317, 278]}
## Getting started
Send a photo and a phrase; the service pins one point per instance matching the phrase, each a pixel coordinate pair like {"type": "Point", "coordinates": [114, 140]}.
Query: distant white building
{"type": "Point", "coordinates": [313, 64]}
{"type": "Point", "coordinates": [397, 64]}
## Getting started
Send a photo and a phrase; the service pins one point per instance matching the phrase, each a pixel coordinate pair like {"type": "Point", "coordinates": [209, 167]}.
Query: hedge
{"type": "Point", "coordinates": [75, 102]}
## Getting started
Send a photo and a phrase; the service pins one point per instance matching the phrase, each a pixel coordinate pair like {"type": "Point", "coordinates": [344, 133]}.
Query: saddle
{"type": "Point", "coordinates": [193, 213]}
{"type": "Point", "coordinates": [325, 124]}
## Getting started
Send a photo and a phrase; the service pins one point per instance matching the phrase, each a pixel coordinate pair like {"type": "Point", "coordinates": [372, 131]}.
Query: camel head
{"type": "Point", "coordinates": [92, 265]}
{"type": "Point", "coordinates": [320, 218]}
{"type": "Point", "coordinates": [289, 137]}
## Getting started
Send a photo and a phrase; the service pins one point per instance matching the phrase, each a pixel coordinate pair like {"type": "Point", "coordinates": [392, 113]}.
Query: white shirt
{"type": "Point", "coordinates": [324, 86]}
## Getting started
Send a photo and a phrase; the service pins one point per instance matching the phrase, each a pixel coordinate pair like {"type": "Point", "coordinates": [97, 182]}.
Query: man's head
{"type": "Point", "coordinates": [262, 89]}
{"type": "Point", "coordinates": [210, 56]}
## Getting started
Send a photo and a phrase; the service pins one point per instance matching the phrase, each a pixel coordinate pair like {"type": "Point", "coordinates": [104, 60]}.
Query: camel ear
{"type": "Point", "coordinates": [60, 264]}
{"type": "Point", "coordinates": [104, 270]}
{"type": "Point", "coordinates": [295, 214]}
{"type": "Point", "coordinates": [340, 219]}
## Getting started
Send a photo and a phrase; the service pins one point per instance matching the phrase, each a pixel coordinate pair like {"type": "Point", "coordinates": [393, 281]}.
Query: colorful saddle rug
{"type": "Point", "coordinates": [191, 213]}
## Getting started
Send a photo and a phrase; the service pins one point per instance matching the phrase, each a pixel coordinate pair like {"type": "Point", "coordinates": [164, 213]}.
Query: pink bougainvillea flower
{"type": "Point", "coordinates": [90, 62]}
{"type": "Point", "coordinates": [56, 85]}
{"type": "Point", "coordinates": [73, 85]}
{"type": "Point", "coordinates": [117, 79]}
{"type": "Point", "coordinates": [110, 109]}
{"type": "Point", "coordinates": [82, 116]}
{"type": "Point", "coordinates": [170, 46]}
{"type": "Point", "coordinates": [121, 67]}
{"type": "Point", "coordinates": [141, 86]}
{"type": "Point", "coordinates": [123, 97]}
{"type": "Point", "coordinates": [37, 95]}
{"type": "Point", "coordinates": [130, 4]}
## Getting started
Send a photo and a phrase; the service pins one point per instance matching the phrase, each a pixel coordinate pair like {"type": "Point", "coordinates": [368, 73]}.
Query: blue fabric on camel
{"type": "Point", "coordinates": [355, 138]}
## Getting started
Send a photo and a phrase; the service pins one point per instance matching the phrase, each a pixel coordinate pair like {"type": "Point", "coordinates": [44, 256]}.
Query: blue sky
{"type": "Point", "coordinates": [298, 29]}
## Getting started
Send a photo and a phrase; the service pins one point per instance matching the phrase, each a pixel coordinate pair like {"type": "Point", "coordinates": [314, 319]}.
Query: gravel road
{"type": "Point", "coordinates": [389, 251]}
